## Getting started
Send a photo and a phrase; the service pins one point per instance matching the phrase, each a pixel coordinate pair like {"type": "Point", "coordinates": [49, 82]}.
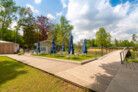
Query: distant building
{"type": "Point", "coordinates": [45, 46]}
{"type": "Point", "coordinates": [8, 47]}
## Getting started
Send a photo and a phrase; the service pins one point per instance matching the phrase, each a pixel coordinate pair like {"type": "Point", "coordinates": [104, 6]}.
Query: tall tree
{"type": "Point", "coordinates": [134, 38]}
{"type": "Point", "coordinates": [90, 43]}
{"type": "Point", "coordinates": [116, 43]}
{"type": "Point", "coordinates": [108, 40]}
{"type": "Point", "coordinates": [43, 25]}
{"type": "Point", "coordinates": [63, 31]}
{"type": "Point", "coordinates": [22, 12]}
{"type": "Point", "coordinates": [29, 33]}
{"type": "Point", "coordinates": [102, 38]}
{"type": "Point", "coordinates": [7, 14]}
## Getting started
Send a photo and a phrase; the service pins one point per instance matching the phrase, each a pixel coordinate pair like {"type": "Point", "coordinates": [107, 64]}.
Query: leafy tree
{"type": "Point", "coordinates": [7, 14]}
{"type": "Point", "coordinates": [91, 43]}
{"type": "Point", "coordinates": [29, 33]}
{"type": "Point", "coordinates": [124, 43]}
{"type": "Point", "coordinates": [108, 40]}
{"type": "Point", "coordinates": [134, 38]}
{"type": "Point", "coordinates": [102, 38]}
{"type": "Point", "coordinates": [78, 46]}
{"type": "Point", "coordinates": [43, 25]}
{"type": "Point", "coordinates": [52, 32]}
{"type": "Point", "coordinates": [116, 43]}
{"type": "Point", "coordinates": [29, 36]}
{"type": "Point", "coordinates": [22, 12]}
{"type": "Point", "coordinates": [9, 35]}
{"type": "Point", "coordinates": [63, 31]}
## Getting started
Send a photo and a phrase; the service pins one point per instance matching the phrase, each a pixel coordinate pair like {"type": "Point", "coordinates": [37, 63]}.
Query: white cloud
{"type": "Point", "coordinates": [32, 8]}
{"type": "Point", "coordinates": [38, 1]}
{"type": "Point", "coordinates": [59, 13]}
{"type": "Point", "coordinates": [64, 3]}
{"type": "Point", "coordinates": [13, 25]}
{"type": "Point", "coordinates": [51, 16]}
{"type": "Point", "coordinates": [88, 16]}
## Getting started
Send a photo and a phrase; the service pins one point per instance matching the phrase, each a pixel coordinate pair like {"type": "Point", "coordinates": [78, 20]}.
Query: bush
{"type": "Point", "coordinates": [20, 53]}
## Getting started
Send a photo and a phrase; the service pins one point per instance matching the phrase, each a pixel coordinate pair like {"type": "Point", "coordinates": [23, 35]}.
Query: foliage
{"type": "Point", "coordinates": [78, 46]}
{"type": "Point", "coordinates": [64, 57]}
{"type": "Point", "coordinates": [91, 43]}
{"type": "Point", "coordinates": [29, 33]}
{"type": "Point", "coordinates": [20, 53]}
{"type": "Point", "coordinates": [62, 32]}
{"type": "Point", "coordinates": [7, 14]}
{"type": "Point", "coordinates": [22, 12]}
{"type": "Point", "coordinates": [134, 37]}
{"type": "Point", "coordinates": [103, 39]}
{"type": "Point", "coordinates": [9, 35]}
{"type": "Point", "coordinates": [123, 43]}
{"type": "Point", "coordinates": [116, 43]}
{"type": "Point", "coordinates": [43, 25]}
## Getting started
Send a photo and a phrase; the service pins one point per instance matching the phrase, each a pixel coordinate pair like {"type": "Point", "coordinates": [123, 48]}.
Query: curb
{"type": "Point", "coordinates": [68, 61]}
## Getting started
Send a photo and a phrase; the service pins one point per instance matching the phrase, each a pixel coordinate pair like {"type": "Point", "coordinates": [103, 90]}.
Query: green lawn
{"type": "Point", "coordinates": [133, 57]}
{"type": "Point", "coordinates": [18, 77]}
{"type": "Point", "coordinates": [132, 60]}
{"type": "Point", "coordinates": [71, 57]}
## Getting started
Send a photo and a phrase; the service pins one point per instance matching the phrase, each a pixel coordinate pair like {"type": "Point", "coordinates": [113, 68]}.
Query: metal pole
{"type": "Point", "coordinates": [121, 58]}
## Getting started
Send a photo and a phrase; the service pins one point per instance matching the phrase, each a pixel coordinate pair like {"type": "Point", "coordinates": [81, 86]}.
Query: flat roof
{"type": "Point", "coordinates": [1, 41]}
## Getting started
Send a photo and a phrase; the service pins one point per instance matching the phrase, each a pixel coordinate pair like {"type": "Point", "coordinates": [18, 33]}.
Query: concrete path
{"type": "Point", "coordinates": [44, 64]}
{"type": "Point", "coordinates": [95, 75]}
{"type": "Point", "coordinates": [126, 79]}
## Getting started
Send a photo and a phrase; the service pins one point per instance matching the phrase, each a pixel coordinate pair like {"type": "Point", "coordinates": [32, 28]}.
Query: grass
{"type": "Point", "coordinates": [131, 60]}
{"type": "Point", "coordinates": [133, 57]}
{"type": "Point", "coordinates": [71, 57]}
{"type": "Point", "coordinates": [18, 77]}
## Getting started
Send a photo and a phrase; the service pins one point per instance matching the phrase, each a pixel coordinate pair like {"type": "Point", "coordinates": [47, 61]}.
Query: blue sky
{"type": "Point", "coordinates": [44, 7]}
{"type": "Point", "coordinates": [119, 17]}
{"type": "Point", "coordinates": [55, 6]}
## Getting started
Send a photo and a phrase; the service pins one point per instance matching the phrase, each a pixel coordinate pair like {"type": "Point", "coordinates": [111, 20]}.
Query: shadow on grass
{"type": "Point", "coordinates": [9, 69]}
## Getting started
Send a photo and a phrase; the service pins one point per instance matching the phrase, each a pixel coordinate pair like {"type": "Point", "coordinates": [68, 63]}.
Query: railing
{"type": "Point", "coordinates": [123, 54]}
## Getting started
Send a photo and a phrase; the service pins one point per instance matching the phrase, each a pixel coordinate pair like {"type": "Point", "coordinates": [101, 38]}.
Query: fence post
{"type": "Point", "coordinates": [95, 54]}
{"type": "Point", "coordinates": [121, 58]}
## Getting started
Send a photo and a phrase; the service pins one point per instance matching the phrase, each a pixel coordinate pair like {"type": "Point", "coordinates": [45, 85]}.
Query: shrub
{"type": "Point", "coordinates": [20, 53]}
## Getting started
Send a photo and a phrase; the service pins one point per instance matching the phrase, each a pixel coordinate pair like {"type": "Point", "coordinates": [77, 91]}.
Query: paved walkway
{"type": "Point", "coordinates": [44, 64]}
{"type": "Point", "coordinates": [96, 75]}
{"type": "Point", "coordinates": [126, 79]}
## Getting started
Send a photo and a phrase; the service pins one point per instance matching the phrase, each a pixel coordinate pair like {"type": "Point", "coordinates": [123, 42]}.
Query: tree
{"type": "Point", "coordinates": [102, 38]}
{"type": "Point", "coordinates": [108, 40]}
{"type": "Point", "coordinates": [22, 12]}
{"type": "Point", "coordinates": [78, 46]}
{"type": "Point", "coordinates": [134, 38]}
{"type": "Point", "coordinates": [29, 33]}
{"type": "Point", "coordinates": [43, 25]}
{"type": "Point", "coordinates": [9, 35]}
{"type": "Point", "coordinates": [116, 43]}
{"type": "Point", "coordinates": [63, 31]}
{"type": "Point", "coordinates": [7, 14]}
{"type": "Point", "coordinates": [90, 43]}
